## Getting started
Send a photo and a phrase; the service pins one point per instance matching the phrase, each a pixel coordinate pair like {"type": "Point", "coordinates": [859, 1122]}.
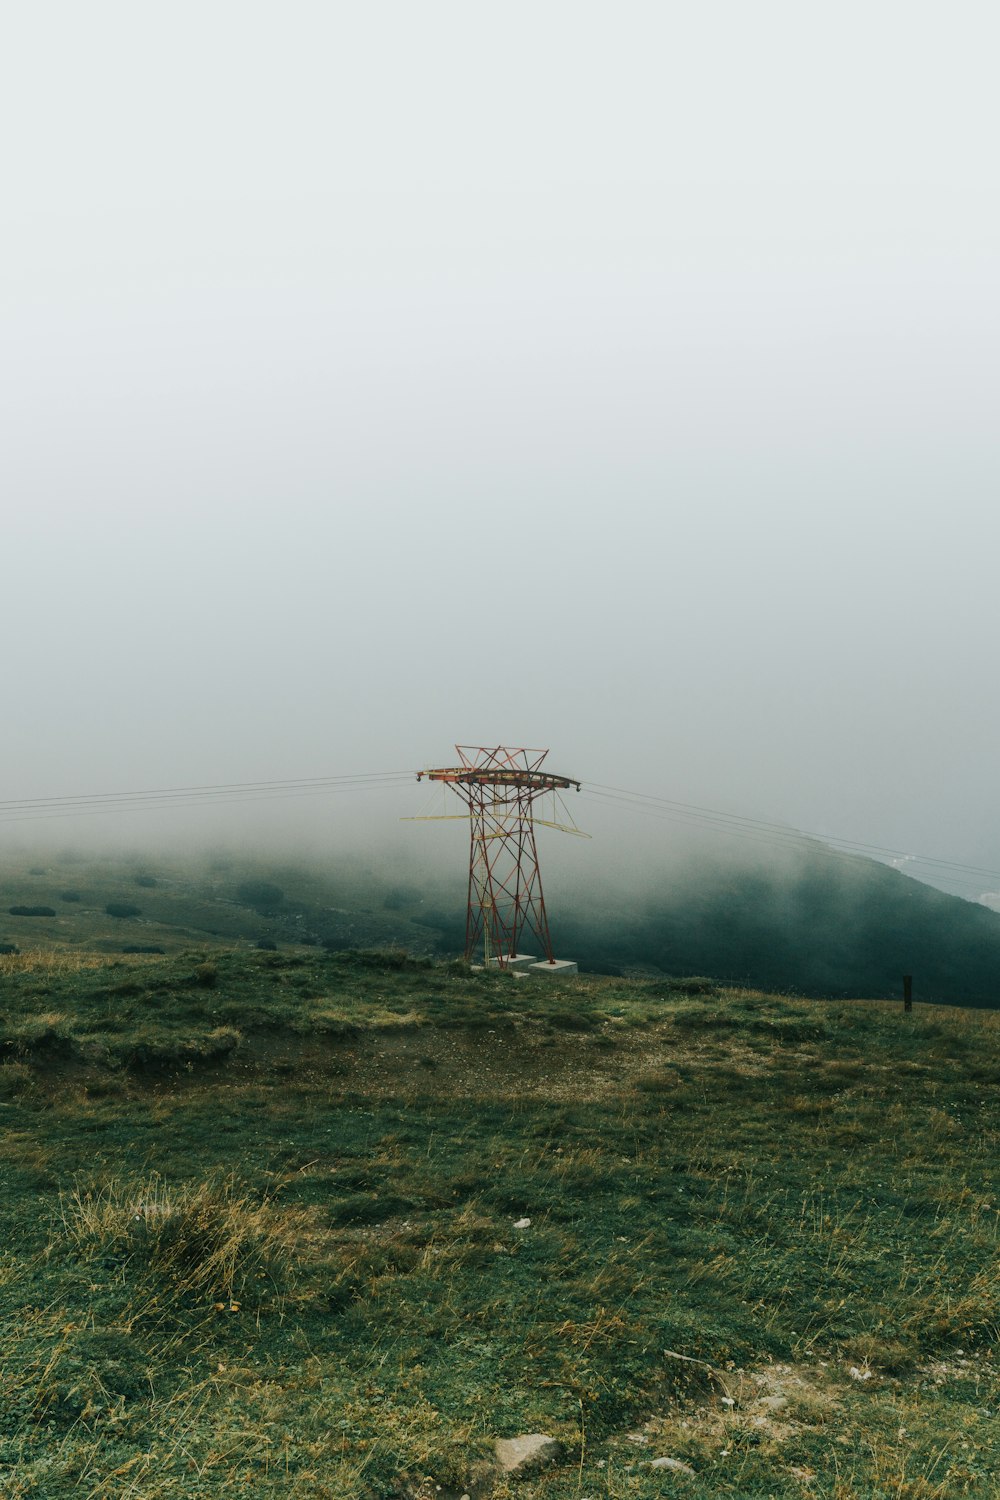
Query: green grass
{"type": "Point", "coordinates": [186, 904]}
{"type": "Point", "coordinates": [258, 1230]}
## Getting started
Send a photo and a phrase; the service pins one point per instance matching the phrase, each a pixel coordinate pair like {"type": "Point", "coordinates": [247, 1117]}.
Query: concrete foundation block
{"type": "Point", "coordinates": [518, 962]}
{"type": "Point", "coordinates": [562, 968]}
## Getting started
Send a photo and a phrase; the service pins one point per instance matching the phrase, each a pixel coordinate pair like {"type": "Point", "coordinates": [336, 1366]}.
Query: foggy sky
{"type": "Point", "coordinates": [616, 378]}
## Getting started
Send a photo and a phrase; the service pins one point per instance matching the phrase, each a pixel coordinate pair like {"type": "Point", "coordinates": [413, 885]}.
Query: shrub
{"type": "Point", "coordinates": [376, 958]}
{"type": "Point", "coordinates": [70, 896]}
{"type": "Point", "coordinates": [210, 1241]}
{"type": "Point", "coordinates": [207, 975]}
{"type": "Point", "coordinates": [693, 1018]}
{"type": "Point", "coordinates": [266, 945]}
{"type": "Point", "coordinates": [694, 984]}
{"type": "Point", "coordinates": [162, 1055]}
{"type": "Point", "coordinates": [41, 1039]}
{"type": "Point", "coordinates": [145, 880]}
{"type": "Point", "coordinates": [32, 911]}
{"type": "Point", "coordinates": [574, 1020]}
{"type": "Point", "coordinates": [260, 894]}
{"type": "Point", "coordinates": [141, 948]}
{"type": "Point", "coordinates": [9, 948]}
{"type": "Point", "coordinates": [122, 909]}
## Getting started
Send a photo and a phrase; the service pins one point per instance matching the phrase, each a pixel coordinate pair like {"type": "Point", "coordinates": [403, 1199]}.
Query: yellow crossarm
{"type": "Point", "coordinates": [438, 818]}
{"type": "Point", "coordinates": [562, 827]}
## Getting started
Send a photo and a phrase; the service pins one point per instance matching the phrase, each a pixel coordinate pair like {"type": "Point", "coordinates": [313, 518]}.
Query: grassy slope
{"type": "Point", "coordinates": [784, 1191]}
{"type": "Point", "coordinates": [181, 904]}
{"type": "Point", "coordinates": [801, 922]}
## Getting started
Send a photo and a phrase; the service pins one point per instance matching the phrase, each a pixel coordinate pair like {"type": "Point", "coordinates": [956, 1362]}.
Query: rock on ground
{"type": "Point", "coordinates": [520, 1455]}
{"type": "Point", "coordinates": [672, 1463]}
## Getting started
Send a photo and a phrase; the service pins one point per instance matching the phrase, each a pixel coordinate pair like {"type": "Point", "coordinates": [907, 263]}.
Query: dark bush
{"type": "Point", "coordinates": [145, 880]}
{"type": "Point", "coordinates": [266, 945]}
{"type": "Point", "coordinates": [9, 948]}
{"type": "Point", "coordinates": [260, 894]}
{"type": "Point", "coordinates": [697, 1018]}
{"type": "Point", "coordinates": [163, 1054]}
{"type": "Point", "coordinates": [376, 958]}
{"type": "Point", "coordinates": [70, 896]}
{"type": "Point", "coordinates": [37, 870]}
{"type": "Point", "coordinates": [574, 1020]}
{"type": "Point", "coordinates": [32, 911]}
{"type": "Point", "coordinates": [207, 975]}
{"type": "Point", "coordinates": [142, 948]}
{"type": "Point", "coordinates": [694, 984]}
{"type": "Point", "coordinates": [122, 909]}
{"type": "Point", "coordinates": [367, 1208]}
{"type": "Point", "coordinates": [43, 1039]}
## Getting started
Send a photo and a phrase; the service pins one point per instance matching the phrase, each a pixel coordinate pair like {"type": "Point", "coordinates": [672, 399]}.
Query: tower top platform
{"type": "Point", "coordinates": [500, 765]}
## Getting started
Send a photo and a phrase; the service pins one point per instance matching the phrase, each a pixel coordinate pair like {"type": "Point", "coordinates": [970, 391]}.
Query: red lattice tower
{"type": "Point", "coordinates": [500, 786]}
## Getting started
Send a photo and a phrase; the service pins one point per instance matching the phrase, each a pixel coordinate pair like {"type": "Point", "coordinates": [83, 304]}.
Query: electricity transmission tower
{"type": "Point", "coordinates": [500, 785]}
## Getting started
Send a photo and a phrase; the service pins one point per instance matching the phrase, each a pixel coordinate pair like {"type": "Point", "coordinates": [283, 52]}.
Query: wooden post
{"type": "Point", "coordinates": [907, 991]}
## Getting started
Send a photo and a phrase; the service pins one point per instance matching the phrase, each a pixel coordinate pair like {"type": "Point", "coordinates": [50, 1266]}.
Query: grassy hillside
{"type": "Point", "coordinates": [326, 1224]}
{"type": "Point", "coordinates": [802, 921]}
{"type": "Point", "coordinates": [175, 904]}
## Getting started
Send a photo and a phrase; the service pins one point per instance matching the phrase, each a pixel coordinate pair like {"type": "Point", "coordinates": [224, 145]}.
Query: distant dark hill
{"type": "Point", "coordinates": [802, 921]}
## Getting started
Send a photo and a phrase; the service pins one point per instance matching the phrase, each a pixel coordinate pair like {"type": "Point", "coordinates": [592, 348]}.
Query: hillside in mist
{"type": "Point", "coordinates": [806, 921]}
{"type": "Point", "coordinates": [796, 918]}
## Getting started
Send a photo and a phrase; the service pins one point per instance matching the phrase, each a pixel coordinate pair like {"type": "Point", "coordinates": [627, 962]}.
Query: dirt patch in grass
{"type": "Point", "coordinates": [514, 1062]}
{"type": "Point", "coordinates": [762, 1407]}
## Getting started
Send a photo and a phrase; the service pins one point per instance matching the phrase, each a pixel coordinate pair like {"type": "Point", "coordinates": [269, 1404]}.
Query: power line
{"type": "Point", "coordinates": [791, 840]}
{"type": "Point", "coordinates": [33, 809]}
{"type": "Point", "coordinates": [154, 806]}
{"type": "Point", "coordinates": [217, 786]}
{"type": "Point", "coordinates": [733, 825]}
{"type": "Point", "coordinates": [737, 825]}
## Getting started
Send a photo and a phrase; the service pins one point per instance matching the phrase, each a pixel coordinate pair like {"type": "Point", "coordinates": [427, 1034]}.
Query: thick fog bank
{"type": "Point", "coordinates": [794, 916]}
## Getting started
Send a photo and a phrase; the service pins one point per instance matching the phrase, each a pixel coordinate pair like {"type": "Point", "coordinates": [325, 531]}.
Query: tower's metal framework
{"type": "Point", "coordinates": [500, 785]}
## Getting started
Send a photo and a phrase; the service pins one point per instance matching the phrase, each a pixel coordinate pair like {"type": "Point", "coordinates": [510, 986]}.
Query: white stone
{"type": "Point", "coordinates": [673, 1464]}
{"type": "Point", "coordinates": [519, 1455]}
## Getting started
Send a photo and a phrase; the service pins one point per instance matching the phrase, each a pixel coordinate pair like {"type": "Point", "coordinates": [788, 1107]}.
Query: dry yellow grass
{"type": "Point", "coordinates": [52, 961]}
{"type": "Point", "coordinates": [210, 1239]}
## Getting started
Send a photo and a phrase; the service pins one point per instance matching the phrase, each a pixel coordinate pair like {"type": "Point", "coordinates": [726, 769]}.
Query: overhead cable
{"type": "Point", "coordinates": [30, 809]}
{"type": "Point", "coordinates": [737, 825]}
